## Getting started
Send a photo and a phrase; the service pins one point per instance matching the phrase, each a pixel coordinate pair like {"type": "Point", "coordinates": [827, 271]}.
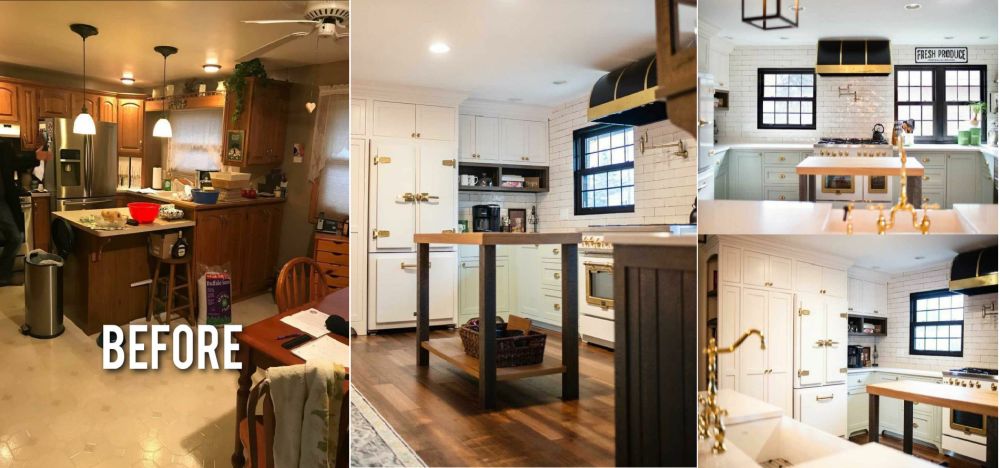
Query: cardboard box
{"type": "Point", "coordinates": [160, 244]}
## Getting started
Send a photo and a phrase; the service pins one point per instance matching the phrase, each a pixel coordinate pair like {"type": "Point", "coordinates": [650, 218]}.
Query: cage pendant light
{"type": "Point", "coordinates": [83, 124]}
{"type": "Point", "coordinates": [162, 128]}
{"type": "Point", "coordinates": [769, 19]}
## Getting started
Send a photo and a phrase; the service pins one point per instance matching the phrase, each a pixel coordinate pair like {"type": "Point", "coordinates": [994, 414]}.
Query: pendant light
{"type": "Point", "coordinates": [769, 20]}
{"type": "Point", "coordinates": [84, 123]}
{"type": "Point", "coordinates": [162, 128]}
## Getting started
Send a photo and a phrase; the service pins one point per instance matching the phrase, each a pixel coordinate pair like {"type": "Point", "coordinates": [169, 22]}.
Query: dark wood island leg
{"type": "Point", "coordinates": [991, 442]}
{"type": "Point", "coordinates": [873, 418]}
{"type": "Point", "coordinates": [804, 187]}
{"type": "Point", "coordinates": [914, 191]}
{"type": "Point", "coordinates": [908, 427]}
{"type": "Point", "coordinates": [487, 326]}
{"type": "Point", "coordinates": [570, 324]}
{"type": "Point", "coordinates": [423, 303]}
{"type": "Point", "coordinates": [242, 395]}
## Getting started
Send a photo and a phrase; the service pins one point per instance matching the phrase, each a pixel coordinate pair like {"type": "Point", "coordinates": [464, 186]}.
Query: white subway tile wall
{"type": "Point", "coordinates": [980, 345]}
{"type": "Point", "coordinates": [664, 183]}
{"type": "Point", "coordinates": [836, 116]}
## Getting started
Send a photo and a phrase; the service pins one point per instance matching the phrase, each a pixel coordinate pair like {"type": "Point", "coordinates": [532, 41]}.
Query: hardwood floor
{"type": "Point", "coordinates": [921, 451]}
{"type": "Point", "coordinates": [436, 410]}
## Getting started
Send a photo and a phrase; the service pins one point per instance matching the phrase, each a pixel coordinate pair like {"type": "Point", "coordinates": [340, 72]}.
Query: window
{"type": "Point", "coordinates": [936, 323]}
{"type": "Point", "coordinates": [197, 141]}
{"type": "Point", "coordinates": [786, 98]}
{"type": "Point", "coordinates": [604, 169]}
{"type": "Point", "coordinates": [938, 98]}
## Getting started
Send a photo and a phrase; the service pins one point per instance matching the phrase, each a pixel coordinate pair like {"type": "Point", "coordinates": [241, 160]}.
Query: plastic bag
{"type": "Point", "coordinates": [215, 295]}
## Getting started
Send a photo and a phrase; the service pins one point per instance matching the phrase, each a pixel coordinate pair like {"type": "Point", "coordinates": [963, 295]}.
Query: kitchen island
{"type": "Point", "coordinates": [820, 166]}
{"type": "Point", "coordinates": [106, 271]}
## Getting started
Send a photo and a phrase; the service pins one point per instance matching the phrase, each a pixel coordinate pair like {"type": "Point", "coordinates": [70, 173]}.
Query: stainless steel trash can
{"type": "Point", "coordinates": [43, 313]}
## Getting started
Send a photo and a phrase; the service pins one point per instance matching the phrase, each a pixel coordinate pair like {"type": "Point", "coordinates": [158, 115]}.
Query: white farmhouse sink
{"type": "Point", "coordinates": [783, 438]}
{"type": "Point", "coordinates": [942, 222]}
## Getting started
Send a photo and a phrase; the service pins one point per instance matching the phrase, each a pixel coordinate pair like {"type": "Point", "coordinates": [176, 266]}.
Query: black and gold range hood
{"type": "Point", "coordinates": [974, 273]}
{"type": "Point", "coordinates": [627, 96]}
{"type": "Point", "coordinates": [847, 57]}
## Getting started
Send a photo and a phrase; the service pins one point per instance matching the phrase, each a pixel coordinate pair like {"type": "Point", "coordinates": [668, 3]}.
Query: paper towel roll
{"type": "Point", "coordinates": [157, 178]}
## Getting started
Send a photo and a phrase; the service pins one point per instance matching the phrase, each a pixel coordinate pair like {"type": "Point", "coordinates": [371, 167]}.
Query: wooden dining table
{"type": "Point", "coordinates": [259, 348]}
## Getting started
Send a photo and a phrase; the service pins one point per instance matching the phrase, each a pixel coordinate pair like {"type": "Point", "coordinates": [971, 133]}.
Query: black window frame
{"type": "Point", "coordinates": [913, 323]}
{"type": "Point", "coordinates": [579, 139]}
{"type": "Point", "coordinates": [940, 106]}
{"type": "Point", "coordinates": [760, 98]}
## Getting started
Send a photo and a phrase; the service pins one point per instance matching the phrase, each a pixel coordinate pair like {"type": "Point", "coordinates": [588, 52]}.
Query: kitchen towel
{"type": "Point", "coordinates": [157, 177]}
{"type": "Point", "coordinates": [307, 404]}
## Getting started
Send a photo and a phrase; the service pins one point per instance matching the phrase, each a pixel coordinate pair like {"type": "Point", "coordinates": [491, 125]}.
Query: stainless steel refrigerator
{"type": "Point", "coordinates": [82, 174]}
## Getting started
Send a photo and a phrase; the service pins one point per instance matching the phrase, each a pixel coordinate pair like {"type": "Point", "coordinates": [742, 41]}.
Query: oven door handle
{"type": "Point", "coordinates": [594, 266]}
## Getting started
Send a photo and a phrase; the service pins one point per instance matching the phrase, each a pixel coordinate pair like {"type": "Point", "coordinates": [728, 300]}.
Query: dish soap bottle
{"type": "Point", "coordinates": [875, 356]}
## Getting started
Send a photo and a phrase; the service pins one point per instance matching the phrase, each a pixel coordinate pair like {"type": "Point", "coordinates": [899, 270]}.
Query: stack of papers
{"type": "Point", "coordinates": [324, 350]}
{"type": "Point", "coordinates": [310, 321]}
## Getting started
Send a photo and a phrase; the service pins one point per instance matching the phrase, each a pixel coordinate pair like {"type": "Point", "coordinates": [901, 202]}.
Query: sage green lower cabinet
{"type": "Point", "coordinates": [963, 178]}
{"type": "Point", "coordinates": [722, 176]}
{"type": "Point", "coordinates": [746, 176]}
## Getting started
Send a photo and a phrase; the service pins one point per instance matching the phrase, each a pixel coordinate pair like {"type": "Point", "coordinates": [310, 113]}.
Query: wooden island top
{"type": "Point", "coordinates": [860, 166]}
{"type": "Point", "coordinates": [75, 219]}
{"type": "Point", "coordinates": [972, 400]}
{"type": "Point", "coordinates": [499, 238]}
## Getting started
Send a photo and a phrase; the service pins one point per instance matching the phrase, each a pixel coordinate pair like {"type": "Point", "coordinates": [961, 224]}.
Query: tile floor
{"type": "Point", "coordinates": [58, 407]}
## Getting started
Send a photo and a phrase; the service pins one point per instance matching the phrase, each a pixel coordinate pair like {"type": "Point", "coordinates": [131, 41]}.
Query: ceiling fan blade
{"type": "Point", "coordinates": [281, 21]}
{"type": "Point", "coordinates": [271, 45]}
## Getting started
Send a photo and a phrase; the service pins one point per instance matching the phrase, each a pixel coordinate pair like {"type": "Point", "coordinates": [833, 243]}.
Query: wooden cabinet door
{"type": "Point", "coordinates": [392, 178]}
{"type": "Point", "coordinates": [439, 181]}
{"type": "Point", "coordinates": [29, 117]}
{"type": "Point", "coordinates": [130, 127]}
{"type": "Point", "coordinates": [513, 141]}
{"type": "Point", "coordinates": [834, 282]}
{"type": "Point", "coordinates": [54, 102]}
{"type": "Point", "coordinates": [40, 219]}
{"type": "Point", "coordinates": [394, 119]}
{"type": "Point", "coordinates": [10, 110]}
{"type": "Point", "coordinates": [435, 123]}
{"type": "Point", "coordinates": [217, 242]}
{"type": "Point", "coordinates": [262, 224]}
{"type": "Point", "coordinates": [107, 109]}
{"type": "Point", "coordinates": [488, 139]}
{"type": "Point", "coordinates": [808, 277]}
{"type": "Point", "coordinates": [79, 101]}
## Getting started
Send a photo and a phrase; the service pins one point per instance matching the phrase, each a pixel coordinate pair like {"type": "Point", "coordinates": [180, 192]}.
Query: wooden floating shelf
{"type": "Point", "coordinates": [866, 334]}
{"type": "Point", "coordinates": [473, 188]}
{"type": "Point", "coordinates": [451, 350]}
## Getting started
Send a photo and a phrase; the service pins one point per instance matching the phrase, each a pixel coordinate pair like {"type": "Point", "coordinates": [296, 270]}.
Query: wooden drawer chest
{"type": "Point", "coordinates": [332, 253]}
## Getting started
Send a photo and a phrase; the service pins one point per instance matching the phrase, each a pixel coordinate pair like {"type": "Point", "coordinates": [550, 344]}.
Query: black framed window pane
{"type": "Point", "coordinates": [943, 94]}
{"type": "Point", "coordinates": [937, 325]}
{"type": "Point", "coordinates": [604, 169]}
{"type": "Point", "coordinates": [786, 99]}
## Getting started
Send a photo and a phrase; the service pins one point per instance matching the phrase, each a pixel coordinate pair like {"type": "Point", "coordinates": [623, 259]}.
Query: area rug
{"type": "Point", "coordinates": [373, 441]}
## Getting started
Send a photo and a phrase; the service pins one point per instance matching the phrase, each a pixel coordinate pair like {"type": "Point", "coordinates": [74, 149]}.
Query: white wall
{"type": "Point", "coordinates": [664, 184]}
{"type": "Point", "coordinates": [980, 341]}
{"type": "Point", "coordinates": [835, 115]}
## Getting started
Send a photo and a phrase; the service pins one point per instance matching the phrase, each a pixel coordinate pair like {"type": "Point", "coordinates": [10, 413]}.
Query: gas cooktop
{"type": "Point", "coordinates": [972, 372]}
{"type": "Point", "coordinates": [829, 141]}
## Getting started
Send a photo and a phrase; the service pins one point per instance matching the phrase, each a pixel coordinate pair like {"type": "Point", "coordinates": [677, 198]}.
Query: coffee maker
{"type": "Point", "coordinates": [486, 218]}
{"type": "Point", "coordinates": [854, 357]}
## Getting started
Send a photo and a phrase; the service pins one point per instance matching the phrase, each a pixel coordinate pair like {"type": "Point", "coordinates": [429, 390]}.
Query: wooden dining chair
{"type": "Point", "coordinates": [257, 431]}
{"type": "Point", "coordinates": [301, 281]}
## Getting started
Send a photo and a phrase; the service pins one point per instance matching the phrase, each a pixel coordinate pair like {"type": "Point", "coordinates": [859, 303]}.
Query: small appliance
{"type": "Point", "coordinates": [205, 178]}
{"type": "Point", "coordinates": [854, 188]}
{"type": "Point", "coordinates": [962, 432]}
{"type": "Point", "coordinates": [486, 218]}
{"type": "Point", "coordinates": [854, 357]}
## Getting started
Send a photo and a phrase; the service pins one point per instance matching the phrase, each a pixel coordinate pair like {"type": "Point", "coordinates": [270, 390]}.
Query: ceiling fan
{"type": "Point", "coordinates": [329, 19]}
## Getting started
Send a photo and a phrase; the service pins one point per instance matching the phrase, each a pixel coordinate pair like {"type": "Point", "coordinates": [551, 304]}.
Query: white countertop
{"type": "Point", "coordinates": [896, 370]}
{"type": "Point", "coordinates": [868, 455]}
{"type": "Point", "coordinates": [662, 239]}
{"type": "Point", "coordinates": [761, 217]}
{"type": "Point", "coordinates": [720, 147]}
{"type": "Point", "coordinates": [981, 218]}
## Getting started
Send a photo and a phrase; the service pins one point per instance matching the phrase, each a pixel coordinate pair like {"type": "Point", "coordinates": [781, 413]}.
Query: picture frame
{"type": "Point", "coordinates": [518, 219]}
{"type": "Point", "coordinates": [234, 145]}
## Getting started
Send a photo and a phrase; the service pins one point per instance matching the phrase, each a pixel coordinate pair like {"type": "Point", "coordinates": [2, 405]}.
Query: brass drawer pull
{"type": "Point", "coordinates": [404, 265]}
{"type": "Point", "coordinates": [555, 251]}
{"type": "Point", "coordinates": [824, 398]}
{"type": "Point", "coordinates": [556, 306]}
{"type": "Point", "coordinates": [927, 177]}
{"type": "Point", "coordinates": [556, 275]}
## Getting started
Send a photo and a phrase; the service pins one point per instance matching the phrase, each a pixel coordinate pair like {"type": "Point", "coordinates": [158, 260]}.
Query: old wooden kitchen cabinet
{"type": "Point", "coordinates": [107, 109]}
{"type": "Point", "coordinates": [27, 99]}
{"type": "Point", "coordinates": [130, 126]}
{"type": "Point", "coordinates": [262, 120]}
{"type": "Point", "coordinates": [243, 240]}
{"type": "Point", "coordinates": [9, 107]}
{"type": "Point", "coordinates": [54, 102]}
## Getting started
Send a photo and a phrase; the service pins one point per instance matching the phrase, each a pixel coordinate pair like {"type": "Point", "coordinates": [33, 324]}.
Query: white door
{"type": "Point", "coordinates": [779, 272]}
{"type": "Point", "coordinates": [752, 360]}
{"type": "Point", "coordinates": [513, 141]}
{"type": "Point", "coordinates": [836, 332]}
{"type": "Point", "coordinates": [438, 184]}
{"type": "Point", "coordinates": [854, 290]}
{"type": "Point", "coordinates": [754, 268]}
{"type": "Point", "coordinates": [808, 277]}
{"type": "Point", "coordinates": [467, 138]}
{"type": "Point", "coordinates": [857, 410]}
{"type": "Point", "coordinates": [488, 138]}
{"type": "Point", "coordinates": [435, 123]}
{"type": "Point", "coordinates": [810, 325]}
{"type": "Point", "coordinates": [824, 408]}
{"type": "Point", "coordinates": [393, 119]}
{"type": "Point", "coordinates": [398, 303]}
{"type": "Point", "coordinates": [729, 327]}
{"type": "Point", "coordinates": [468, 290]}
{"type": "Point", "coordinates": [779, 350]}
{"type": "Point", "coordinates": [835, 282]}
{"type": "Point", "coordinates": [538, 143]}
{"type": "Point", "coordinates": [359, 119]}
{"type": "Point", "coordinates": [443, 281]}
{"type": "Point", "coordinates": [393, 218]}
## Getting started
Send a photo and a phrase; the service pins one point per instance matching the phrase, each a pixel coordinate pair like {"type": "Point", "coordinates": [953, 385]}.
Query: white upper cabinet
{"type": "Point", "coordinates": [538, 143]}
{"type": "Point", "coordinates": [834, 282]}
{"type": "Point", "coordinates": [867, 298]}
{"type": "Point", "coordinates": [513, 141]}
{"type": "Point", "coordinates": [815, 279]}
{"type": "Point", "coordinates": [485, 138]}
{"type": "Point", "coordinates": [478, 138]}
{"type": "Point", "coordinates": [359, 117]}
{"type": "Point", "coordinates": [404, 120]}
{"type": "Point", "coordinates": [466, 137]}
{"type": "Point", "coordinates": [769, 271]}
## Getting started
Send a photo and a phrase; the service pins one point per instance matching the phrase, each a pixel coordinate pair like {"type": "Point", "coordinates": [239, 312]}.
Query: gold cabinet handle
{"type": "Point", "coordinates": [781, 197]}
{"type": "Point", "coordinates": [824, 398]}
{"type": "Point", "coordinates": [556, 306]}
{"type": "Point", "coordinates": [408, 197]}
{"type": "Point", "coordinates": [556, 275]}
{"type": "Point", "coordinates": [820, 343]}
{"type": "Point", "coordinates": [555, 251]}
{"type": "Point", "coordinates": [782, 158]}
{"type": "Point", "coordinates": [404, 265]}
{"type": "Point", "coordinates": [927, 159]}
{"type": "Point", "coordinates": [927, 177]}
{"type": "Point", "coordinates": [781, 176]}
{"type": "Point", "coordinates": [915, 425]}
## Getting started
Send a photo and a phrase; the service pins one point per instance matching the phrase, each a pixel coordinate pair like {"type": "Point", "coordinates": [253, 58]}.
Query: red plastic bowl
{"type": "Point", "coordinates": [144, 212]}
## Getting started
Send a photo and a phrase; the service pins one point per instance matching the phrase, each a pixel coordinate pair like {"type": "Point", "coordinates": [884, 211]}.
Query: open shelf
{"type": "Point", "coordinates": [451, 350]}
{"type": "Point", "coordinates": [496, 173]}
{"type": "Point", "coordinates": [856, 322]}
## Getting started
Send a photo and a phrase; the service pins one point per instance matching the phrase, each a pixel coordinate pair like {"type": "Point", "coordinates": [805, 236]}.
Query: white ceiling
{"type": "Point", "coordinates": [966, 20]}
{"type": "Point", "coordinates": [500, 49]}
{"type": "Point", "coordinates": [889, 254]}
{"type": "Point", "coordinates": [37, 34]}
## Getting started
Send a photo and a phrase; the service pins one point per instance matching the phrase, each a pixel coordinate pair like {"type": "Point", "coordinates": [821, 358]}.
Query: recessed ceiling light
{"type": "Point", "coordinates": [784, 38]}
{"type": "Point", "coordinates": [949, 37]}
{"type": "Point", "coordinates": [919, 257]}
{"type": "Point", "coordinates": [211, 67]}
{"type": "Point", "coordinates": [515, 99]}
{"type": "Point", "coordinates": [559, 82]}
{"type": "Point", "coordinates": [439, 48]}
{"type": "Point", "coordinates": [984, 37]}
{"type": "Point", "coordinates": [912, 6]}
{"type": "Point", "coordinates": [728, 37]}
{"type": "Point", "coordinates": [127, 79]}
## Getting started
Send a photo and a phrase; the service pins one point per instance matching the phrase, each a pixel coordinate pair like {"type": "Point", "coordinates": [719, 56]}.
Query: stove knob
{"type": "Point", "coordinates": [965, 384]}
{"type": "Point", "coordinates": [993, 386]}
{"type": "Point", "coordinates": [977, 385]}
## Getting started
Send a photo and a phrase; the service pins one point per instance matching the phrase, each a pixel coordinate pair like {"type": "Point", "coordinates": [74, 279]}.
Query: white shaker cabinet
{"type": "Point", "coordinates": [816, 279]}
{"type": "Point", "coordinates": [766, 374]}
{"type": "Point", "coordinates": [397, 305]}
{"type": "Point", "coordinates": [825, 408]}
{"type": "Point", "coordinates": [359, 117]}
{"type": "Point", "coordinates": [746, 176]}
{"type": "Point", "coordinates": [435, 123]}
{"type": "Point", "coordinates": [468, 289]}
{"type": "Point", "coordinates": [523, 142]}
{"type": "Point", "coordinates": [479, 138]}
{"type": "Point", "coordinates": [405, 120]}
{"type": "Point", "coordinates": [770, 271]}
{"type": "Point", "coordinates": [867, 298]}
{"type": "Point", "coordinates": [820, 340]}
{"type": "Point", "coordinates": [961, 183]}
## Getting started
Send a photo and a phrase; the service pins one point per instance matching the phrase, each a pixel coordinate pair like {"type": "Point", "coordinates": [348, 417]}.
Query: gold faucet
{"type": "Point", "coordinates": [882, 224]}
{"type": "Point", "coordinates": [710, 423]}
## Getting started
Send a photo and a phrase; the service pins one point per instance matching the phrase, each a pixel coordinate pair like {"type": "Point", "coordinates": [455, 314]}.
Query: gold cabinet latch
{"type": "Point", "coordinates": [803, 372]}
{"type": "Point", "coordinates": [382, 160]}
{"type": "Point", "coordinates": [803, 312]}
{"type": "Point", "coordinates": [448, 162]}
{"type": "Point", "coordinates": [376, 233]}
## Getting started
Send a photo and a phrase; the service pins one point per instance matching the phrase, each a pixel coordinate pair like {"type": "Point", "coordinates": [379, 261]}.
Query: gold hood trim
{"type": "Point", "coordinates": [622, 104]}
{"type": "Point", "coordinates": [974, 282]}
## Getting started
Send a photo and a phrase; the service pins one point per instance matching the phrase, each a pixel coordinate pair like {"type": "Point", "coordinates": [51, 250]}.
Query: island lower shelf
{"type": "Point", "coordinates": [451, 350]}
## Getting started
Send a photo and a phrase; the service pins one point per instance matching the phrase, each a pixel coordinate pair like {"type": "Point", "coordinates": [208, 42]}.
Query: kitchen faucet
{"type": "Point", "coordinates": [882, 225]}
{"type": "Point", "coordinates": [710, 419]}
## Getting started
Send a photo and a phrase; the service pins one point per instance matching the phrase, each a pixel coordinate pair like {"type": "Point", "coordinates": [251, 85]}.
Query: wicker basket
{"type": "Point", "coordinates": [514, 347]}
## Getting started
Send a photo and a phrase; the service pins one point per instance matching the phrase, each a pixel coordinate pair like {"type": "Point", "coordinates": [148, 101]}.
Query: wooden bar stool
{"type": "Point", "coordinates": [173, 291]}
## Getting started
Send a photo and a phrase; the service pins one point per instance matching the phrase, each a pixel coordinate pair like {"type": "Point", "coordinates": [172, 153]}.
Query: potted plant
{"type": "Point", "coordinates": [236, 83]}
{"type": "Point", "coordinates": [976, 109]}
